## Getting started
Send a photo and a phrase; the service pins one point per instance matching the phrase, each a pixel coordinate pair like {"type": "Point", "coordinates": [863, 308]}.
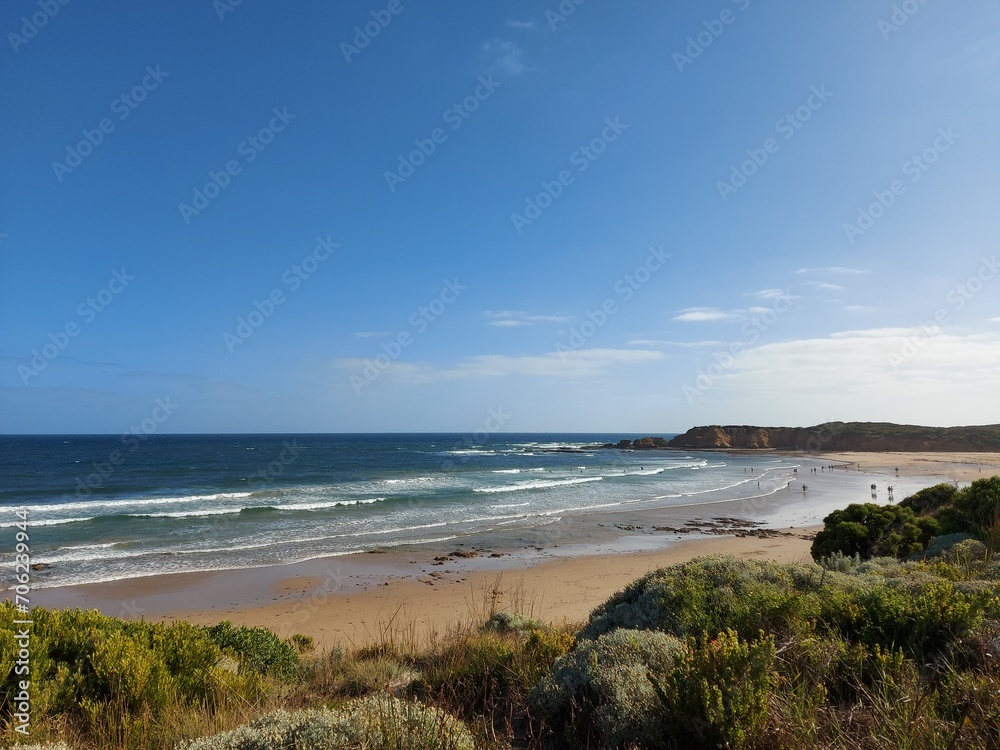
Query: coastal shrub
{"type": "Point", "coordinates": [652, 690]}
{"type": "Point", "coordinates": [869, 530]}
{"type": "Point", "coordinates": [712, 595]}
{"type": "Point", "coordinates": [928, 500]}
{"type": "Point", "coordinates": [975, 509]}
{"type": "Point", "coordinates": [940, 544]}
{"type": "Point", "coordinates": [839, 562]}
{"type": "Point", "coordinates": [303, 643]}
{"type": "Point", "coordinates": [103, 671]}
{"type": "Point", "coordinates": [258, 649]}
{"type": "Point", "coordinates": [473, 672]}
{"type": "Point", "coordinates": [603, 694]}
{"type": "Point", "coordinates": [920, 620]}
{"type": "Point", "coordinates": [373, 723]}
{"type": "Point", "coordinates": [971, 510]}
{"type": "Point", "coordinates": [507, 622]}
{"type": "Point", "coordinates": [717, 693]}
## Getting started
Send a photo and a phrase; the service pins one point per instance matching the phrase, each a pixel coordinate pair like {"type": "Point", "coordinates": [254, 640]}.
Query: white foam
{"type": "Point", "coordinates": [540, 484]}
{"type": "Point", "coordinates": [120, 503]}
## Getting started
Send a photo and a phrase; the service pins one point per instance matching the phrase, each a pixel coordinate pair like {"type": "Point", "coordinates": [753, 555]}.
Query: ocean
{"type": "Point", "coordinates": [106, 508]}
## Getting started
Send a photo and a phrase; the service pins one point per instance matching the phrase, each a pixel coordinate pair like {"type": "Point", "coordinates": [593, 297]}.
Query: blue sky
{"type": "Point", "coordinates": [635, 216]}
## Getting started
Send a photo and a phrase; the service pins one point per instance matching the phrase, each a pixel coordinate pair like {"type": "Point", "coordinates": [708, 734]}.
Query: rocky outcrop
{"type": "Point", "coordinates": [642, 444]}
{"type": "Point", "coordinates": [843, 436]}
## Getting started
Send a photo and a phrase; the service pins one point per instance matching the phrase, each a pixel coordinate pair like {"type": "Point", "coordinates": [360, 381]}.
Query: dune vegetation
{"type": "Point", "coordinates": [889, 639]}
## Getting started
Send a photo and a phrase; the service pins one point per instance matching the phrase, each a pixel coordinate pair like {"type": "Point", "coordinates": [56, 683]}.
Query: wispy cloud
{"type": "Point", "coordinates": [517, 318]}
{"type": "Point", "coordinates": [585, 363]}
{"type": "Point", "coordinates": [526, 25]}
{"type": "Point", "coordinates": [825, 287]}
{"type": "Point", "coordinates": [703, 315]}
{"type": "Point", "coordinates": [681, 344]}
{"type": "Point", "coordinates": [860, 309]}
{"type": "Point", "coordinates": [833, 269]}
{"type": "Point", "coordinates": [771, 294]}
{"type": "Point", "coordinates": [504, 57]}
{"type": "Point", "coordinates": [994, 320]}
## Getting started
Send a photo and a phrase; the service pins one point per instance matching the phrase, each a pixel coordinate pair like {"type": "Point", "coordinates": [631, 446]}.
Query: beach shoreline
{"type": "Point", "coordinates": [559, 575]}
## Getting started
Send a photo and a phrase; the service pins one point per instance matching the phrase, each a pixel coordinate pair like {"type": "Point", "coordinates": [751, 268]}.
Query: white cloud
{"type": "Point", "coordinates": [505, 57]}
{"type": "Point", "coordinates": [516, 318]}
{"type": "Point", "coordinates": [703, 315]}
{"type": "Point", "coordinates": [509, 323]}
{"type": "Point", "coordinates": [682, 344]}
{"type": "Point", "coordinates": [585, 363]}
{"type": "Point", "coordinates": [891, 374]}
{"type": "Point", "coordinates": [833, 269]}
{"type": "Point", "coordinates": [771, 294]}
{"type": "Point", "coordinates": [527, 25]}
{"type": "Point", "coordinates": [826, 287]}
{"type": "Point", "coordinates": [994, 320]}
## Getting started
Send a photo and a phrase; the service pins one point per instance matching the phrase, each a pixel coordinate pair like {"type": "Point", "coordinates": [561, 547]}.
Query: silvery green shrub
{"type": "Point", "coordinates": [375, 723]}
{"type": "Point", "coordinates": [603, 694]}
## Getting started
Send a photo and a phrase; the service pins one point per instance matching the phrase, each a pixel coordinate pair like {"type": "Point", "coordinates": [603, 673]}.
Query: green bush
{"type": "Point", "coordinates": [921, 619]}
{"type": "Point", "coordinates": [930, 499]}
{"type": "Point", "coordinates": [603, 694]}
{"type": "Point", "coordinates": [976, 510]}
{"type": "Point", "coordinates": [869, 530]}
{"type": "Point", "coordinates": [506, 622]}
{"type": "Point", "coordinates": [109, 675]}
{"type": "Point", "coordinates": [717, 694]}
{"type": "Point", "coordinates": [712, 595]}
{"type": "Point", "coordinates": [258, 648]}
{"type": "Point", "coordinates": [373, 723]}
{"type": "Point", "coordinates": [84, 658]}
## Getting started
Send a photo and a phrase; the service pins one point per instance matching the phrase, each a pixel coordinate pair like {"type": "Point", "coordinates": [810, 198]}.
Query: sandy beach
{"type": "Point", "coordinates": [959, 467]}
{"type": "Point", "coordinates": [358, 599]}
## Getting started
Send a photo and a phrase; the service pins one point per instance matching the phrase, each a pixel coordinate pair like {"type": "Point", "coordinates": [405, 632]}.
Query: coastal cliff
{"type": "Point", "coordinates": [843, 436]}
